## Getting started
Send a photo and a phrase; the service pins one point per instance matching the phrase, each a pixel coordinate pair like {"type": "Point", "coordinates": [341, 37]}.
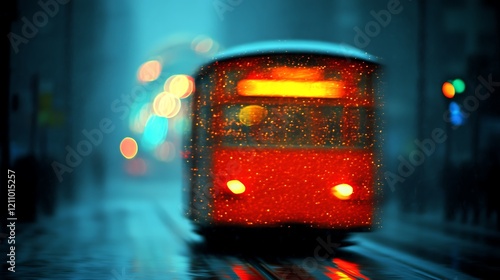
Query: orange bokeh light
{"type": "Point", "coordinates": [149, 71]}
{"type": "Point", "coordinates": [180, 85]}
{"type": "Point", "coordinates": [166, 105]}
{"type": "Point", "coordinates": [448, 90]}
{"type": "Point", "coordinates": [252, 115]}
{"type": "Point", "coordinates": [128, 147]}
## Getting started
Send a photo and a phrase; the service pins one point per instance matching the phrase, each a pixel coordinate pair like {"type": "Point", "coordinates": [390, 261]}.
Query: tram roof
{"type": "Point", "coordinates": [297, 47]}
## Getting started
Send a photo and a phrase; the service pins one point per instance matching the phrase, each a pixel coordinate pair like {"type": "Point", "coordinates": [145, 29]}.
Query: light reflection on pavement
{"type": "Point", "coordinates": [137, 231]}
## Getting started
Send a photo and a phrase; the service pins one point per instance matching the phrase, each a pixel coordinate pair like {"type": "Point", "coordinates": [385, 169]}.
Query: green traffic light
{"type": "Point", "coordinates": [459, 85]}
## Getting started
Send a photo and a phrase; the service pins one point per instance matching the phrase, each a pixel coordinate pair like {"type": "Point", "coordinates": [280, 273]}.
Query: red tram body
{"type": "Point", "coordinates": [285, 134]}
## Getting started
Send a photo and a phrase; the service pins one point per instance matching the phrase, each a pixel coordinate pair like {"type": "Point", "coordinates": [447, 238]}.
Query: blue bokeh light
{"type": "Point", "coordinates": [456, 115]}
{"type": "Point", "coordinates": [155, 132]}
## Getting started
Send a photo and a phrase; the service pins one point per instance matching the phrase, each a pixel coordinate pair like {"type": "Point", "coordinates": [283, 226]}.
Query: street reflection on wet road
{"type": "Point", "coordinates": [138, 231]}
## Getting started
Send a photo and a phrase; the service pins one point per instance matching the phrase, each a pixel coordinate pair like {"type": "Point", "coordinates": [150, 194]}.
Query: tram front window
{"type": "Point", "coordinates": [294, 126]}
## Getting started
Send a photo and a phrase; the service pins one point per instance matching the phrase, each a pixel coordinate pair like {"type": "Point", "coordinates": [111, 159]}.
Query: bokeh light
{"type": "Point", "coordinates": [166, 105]}
{"type": "Point", "coordinates": [166, 152]}
{"type": "Point", "coordinates": [448, 90]}
{"type": "Point", "coordinates": [204, 45]}
{"type": "Point", "coordinates": [155, 132]}
{"type": "Point", "coordinates": [459, 85]}
{"type": "Point", "coordinates": [136, 167]}
{"type": "Point", "coordinates": [180, 85]}
{"type": "Point", "coordinates": [139, 116]}
{"type": "Point", "coordinates": [129, 147]}
{"type": "Point", "coordinates": [149, 71]}
{"type": "Point", "coordinates": [456, 115]}
{"type": "Point", "coordinates": [252, 115]}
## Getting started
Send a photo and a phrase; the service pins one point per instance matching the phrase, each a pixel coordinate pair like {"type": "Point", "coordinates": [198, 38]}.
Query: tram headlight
{"type": "Point", "coordinates": [342, 191]}
{"type": "Point", "coordinates": [236, 187]}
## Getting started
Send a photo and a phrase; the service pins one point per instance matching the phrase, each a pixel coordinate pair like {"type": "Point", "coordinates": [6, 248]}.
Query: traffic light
{"type": "Point", "coordinates": [459, 85]}
{"type": "Point", "coordinates": [452, 87]}
{"type": "Point", "coordinates": [456, 115]}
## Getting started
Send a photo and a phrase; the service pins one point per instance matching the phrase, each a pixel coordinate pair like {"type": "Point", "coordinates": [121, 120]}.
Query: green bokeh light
{"type": "Point", "coordinates": [459, 85]}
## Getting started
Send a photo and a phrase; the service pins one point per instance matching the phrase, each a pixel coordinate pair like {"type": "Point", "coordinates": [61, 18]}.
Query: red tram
{"type": "Point", "coordinates": [284, 134]}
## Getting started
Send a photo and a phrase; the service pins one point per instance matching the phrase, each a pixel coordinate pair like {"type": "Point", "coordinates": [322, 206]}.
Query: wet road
{"type": "Point", "coordinates": [137, 231]}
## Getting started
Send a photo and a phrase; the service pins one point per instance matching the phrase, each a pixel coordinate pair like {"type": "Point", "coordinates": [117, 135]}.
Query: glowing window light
{"type": "Point", "coordinates": [180, 85]}
{"type": "Point", "coordinates": [290, 88]}
{"type": "Point", "coordinates": [166, 105]}
{"type": "Point", "coordinates": [297, 73]}
{"type": "Point", "coordinates": [342, 191]}
{"type": "Point", "coordinates": [236, 186]}
{"type": "Point", "coordinates": [252, 115]}
{"type": "Point", "coordinates": [149, 71]}
{"type": "Point", "coordinates": [155, 132]}
{"type": "Point", "coordinates": [128, 147]}
{"type": "Point", "coordinates": [448, 90]}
